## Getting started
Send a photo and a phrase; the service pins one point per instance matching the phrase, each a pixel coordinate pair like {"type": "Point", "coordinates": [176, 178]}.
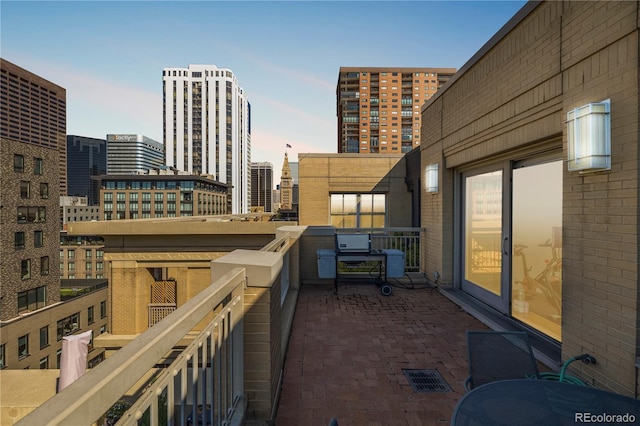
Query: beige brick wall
{"type": "Point", "coordinates": [322, 174]}
{"type": "Point", "coordinates": [513, 101]}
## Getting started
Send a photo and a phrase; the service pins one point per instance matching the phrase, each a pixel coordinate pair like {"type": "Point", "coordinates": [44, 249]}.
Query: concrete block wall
{"type": "Point", "coordinates": [512, 100]}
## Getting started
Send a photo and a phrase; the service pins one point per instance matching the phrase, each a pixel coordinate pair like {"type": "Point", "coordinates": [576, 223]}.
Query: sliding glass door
{"type": "Point", "coordinates": [536, 269]}
{"type": "Point", "coordinates": [511, 240]}
{"type": "Point", "coordinates": [484, 237]}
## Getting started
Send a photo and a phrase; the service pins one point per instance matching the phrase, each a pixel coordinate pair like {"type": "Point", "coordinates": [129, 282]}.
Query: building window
{"type": "Point", "coordinates": [38, 166]}
{"type": "Point", "coordinates": [58, 356]}
{"type": "Point", "coordinates": [90, 319]}
{"type": "Point", "coordinates": [38, 239]}
{"type": "Point", "coordinates": [44, 337]}
{"type": "Point", "coordinates": [18, 163]}
{"type": "Point", "coordinates": [108, 196]}
{"type": "Point", "coordinates": [103, 309]}
{"type": "Point", "coordinates": [88, 266]}
{"type": "Point", "coordinates": [44, 265]}
{"type": "Point", "coordinates": [25, 268]}
{"type": "Point", "coordinates": [71, 266]}
{"type": "Point", "coordinates": [19, 240]}
{"type": "Point", "coordinates": [99, 254]}
{"type": "Point", "coordinates": [44, 363]}
{"type": "Point", "coordinates": [358, 210]}
{"type": "Point", "coordinates": [44, 190]}
{"type": "Point", "coordinates": [31, 214]}
{"type": "Point", "coordinates": [71, 254]}
{"type": "Point", "coordinates": [23, 346]}
{"type": "Point", "coordinates": [25, 189]}
{"type": "Point", "coordinates": [103, 329]}
{"type": "Point", "coordinates": [99, 266]}
{"type": "Point", "coordinates": [2, 356]}
{"type": "Point", "coordinates": [68, 325]}
{"type": "Point", "coordinates": [33, 299]}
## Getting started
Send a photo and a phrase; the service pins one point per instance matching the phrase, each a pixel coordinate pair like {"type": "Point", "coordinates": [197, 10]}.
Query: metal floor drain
{"type": "Point", "coordinates": [426, 381]}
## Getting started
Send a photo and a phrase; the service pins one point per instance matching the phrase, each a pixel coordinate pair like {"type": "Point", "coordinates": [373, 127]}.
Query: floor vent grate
{"type": "Point", "coordinates": [426, 381]}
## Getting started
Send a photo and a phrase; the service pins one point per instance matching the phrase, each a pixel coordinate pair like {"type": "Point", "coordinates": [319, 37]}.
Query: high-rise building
{"type": "Point", "coordinates": [86, 157]}
{"type": "Point", "coordinates": [207, 128]}
{"type": "Point", "coordinates": [132, 154]}
{"type": "Point", "coordinates": [379, 108]}
{"type": "Point", "coordinates": [262, 186]}
{"type": "Point", "coordinates": [34, 110]}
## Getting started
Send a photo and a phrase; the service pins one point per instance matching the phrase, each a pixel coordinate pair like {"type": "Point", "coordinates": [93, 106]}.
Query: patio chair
{"type": "Point", "coordinates": [499, 355]}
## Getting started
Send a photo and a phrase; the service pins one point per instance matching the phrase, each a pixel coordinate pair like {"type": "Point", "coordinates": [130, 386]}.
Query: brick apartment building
{"type": "Point", "coordinates": [33, 317]}
{"type": "Point", "coordinates": [379, 108]}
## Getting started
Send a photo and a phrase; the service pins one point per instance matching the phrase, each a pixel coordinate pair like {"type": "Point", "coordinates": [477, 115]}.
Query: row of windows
{"type": "Point", "coordinates": [25, 267]}
{"type": "Point", "coordinates": [64, 327]}
{"type": "Point", "coordinates": [20, 239]}
{"type": "Point", "coordinates": [396, 88]}
{"type": "Point", "coordinates": [196, 74]}
{"type": "Point", "coordinates": [18, 164]}
{"type": "Point", "coordinates": [394, 74]}
{"type": "Point", "coordinates": [146, 196]}
{"type": "Point", "coordinates": [71, 254]}
{"type": "Point", "coordinates": [88, 266]}
{"type": "Point", "coordinates": [25, 190]}
{"type": "Point", "coordinates": [87, 276]}
{"type": "Point", "coordinates": [31, 214]}
{"type": "Point", "coordinates": [185, 185]}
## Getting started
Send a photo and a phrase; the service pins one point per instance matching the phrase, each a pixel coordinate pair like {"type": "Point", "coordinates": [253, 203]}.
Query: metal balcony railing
{"type": "Point", "coordinates": [406, 240]}
{"type": "Point", "coordinates": [205, 380]}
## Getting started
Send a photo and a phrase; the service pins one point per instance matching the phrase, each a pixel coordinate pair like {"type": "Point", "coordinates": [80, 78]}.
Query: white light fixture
{"type": "Point", "coordinates": [431, 178]}
{"type": "Point", "coordinates": [589, 138]}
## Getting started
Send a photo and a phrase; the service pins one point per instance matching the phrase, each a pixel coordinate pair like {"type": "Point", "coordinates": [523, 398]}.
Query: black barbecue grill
{"type": "Point", "coordinates": [355, 249]}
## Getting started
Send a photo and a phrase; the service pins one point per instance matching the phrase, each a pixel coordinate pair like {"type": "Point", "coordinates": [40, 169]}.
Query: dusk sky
{"type": "Point", "coordinates": [286, 55]}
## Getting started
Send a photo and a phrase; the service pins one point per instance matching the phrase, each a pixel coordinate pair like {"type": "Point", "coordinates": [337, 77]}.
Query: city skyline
{"type": "Point", "coordinates": [109, 56]}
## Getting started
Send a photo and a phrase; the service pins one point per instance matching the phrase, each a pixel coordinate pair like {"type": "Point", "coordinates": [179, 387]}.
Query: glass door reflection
{"type": "Point", "coordinates": [536, 264]}
{"type": "Point", "coordinates": [483, 235]}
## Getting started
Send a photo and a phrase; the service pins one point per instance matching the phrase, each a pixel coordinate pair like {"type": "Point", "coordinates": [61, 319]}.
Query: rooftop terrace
{"type": "Point", "coordinates": [347, 353]}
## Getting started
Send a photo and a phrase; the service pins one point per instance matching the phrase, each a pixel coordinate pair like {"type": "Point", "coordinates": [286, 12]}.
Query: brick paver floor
{"type": "Point", "coordinates": [347, 352]}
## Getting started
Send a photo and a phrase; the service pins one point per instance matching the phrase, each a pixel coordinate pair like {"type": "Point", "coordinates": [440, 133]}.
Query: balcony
{"type": "Point", "coordinates": [225, 348]}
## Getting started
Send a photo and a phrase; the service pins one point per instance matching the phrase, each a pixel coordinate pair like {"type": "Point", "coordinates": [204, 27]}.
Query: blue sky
{"type": "Point", "coordinates": [286, 55]}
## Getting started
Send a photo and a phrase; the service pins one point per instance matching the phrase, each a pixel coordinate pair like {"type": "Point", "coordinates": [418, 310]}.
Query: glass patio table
{"type": "Point", "coordinates": [545, 403]}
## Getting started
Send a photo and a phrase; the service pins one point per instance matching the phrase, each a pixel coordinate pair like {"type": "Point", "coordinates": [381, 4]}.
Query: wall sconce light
{"type": "Point", "coordinates": [589, 138]}
{"type": "Point", "coordinates": [431, 178]}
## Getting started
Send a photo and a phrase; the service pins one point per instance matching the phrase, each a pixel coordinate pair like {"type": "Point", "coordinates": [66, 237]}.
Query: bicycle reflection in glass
{"type": "Point", "coordinates": [548, 282]}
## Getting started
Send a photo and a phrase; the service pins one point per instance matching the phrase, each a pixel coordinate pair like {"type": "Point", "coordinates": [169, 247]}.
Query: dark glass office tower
{"type": "Point", "coordinates": [86, 157]}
